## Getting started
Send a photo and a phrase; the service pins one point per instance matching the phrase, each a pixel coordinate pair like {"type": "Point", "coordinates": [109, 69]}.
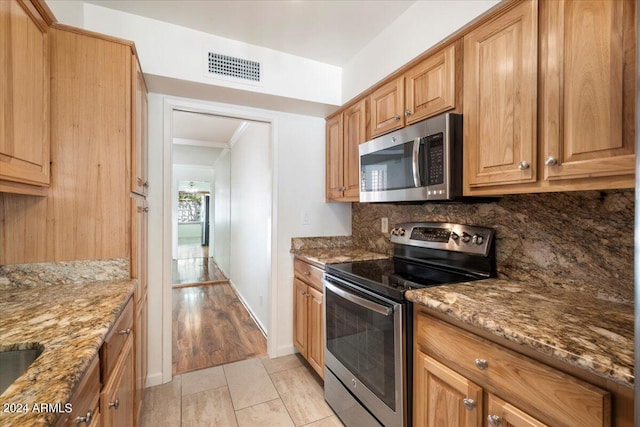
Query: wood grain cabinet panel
{"type": "Point", "coordinates": [504, 414]}
{"type": "Point", "coordinates": [588, 88]}
{"type": "Point", "coordinates": [308, 314]}
{"type": "Point", "coordinates": [534, 391]}
{"type": "Point", "coordinates": [85, 400]}
{"type": "Point", "coordinates": [500, 90]}
{"type": "Point", "coordinates": [443, 397]}
{"type": "Point", "coordinates": [386, 108]}
{"type": "Point", "coordinates": [139, 159]}
{"type": "Point", "coordinates": [430, 87]}
{"type": "Point", "coordinates": [24, 98]}
{"type": "Point", "coordinates": [345, 132]}
{"type": "Point", "coordinates": [116, 399]}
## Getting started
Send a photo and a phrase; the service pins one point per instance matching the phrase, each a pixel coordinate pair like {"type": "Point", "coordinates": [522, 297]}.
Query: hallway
{"type": "Point", "coordinates": [211, 327]}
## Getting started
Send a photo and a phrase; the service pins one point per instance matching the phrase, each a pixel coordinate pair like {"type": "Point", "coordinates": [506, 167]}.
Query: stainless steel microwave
{"type": "Point", "coordinates": [421, 162]}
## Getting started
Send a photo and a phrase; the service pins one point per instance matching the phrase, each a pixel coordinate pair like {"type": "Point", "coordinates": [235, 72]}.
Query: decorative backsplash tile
{"type": "Point", "coordinates": [572, 239]}
{"type": "Point", "coordinates": [69, 272]}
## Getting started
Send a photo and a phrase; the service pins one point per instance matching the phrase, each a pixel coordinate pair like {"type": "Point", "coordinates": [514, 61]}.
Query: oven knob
{"type": "Point", "coordinates": [477, 239]}
{"type": "Point", "coordinates": [401, 231]}
{"type": "Point", "coordinates": [466, 237]}
{"type": "Point", "coordinates": [454, 235]}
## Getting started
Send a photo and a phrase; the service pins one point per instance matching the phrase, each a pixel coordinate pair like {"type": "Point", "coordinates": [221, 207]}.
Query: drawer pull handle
{"type": "Point", "coordinates": [86, 419]}
{"type": "Point", "coordinates": [470, 404]}
{"type": "Point", "coordinates": [494, 420]}
{"type": "Point", "coordinates": [114, 404]}
{"type": "Point", "coordinates": [125, 331]}
{"type": "Point", "coordinates": [482, 364]}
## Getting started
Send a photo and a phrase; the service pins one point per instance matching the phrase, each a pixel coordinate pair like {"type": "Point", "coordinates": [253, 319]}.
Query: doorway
{"type": "Point", "coordinates": [216, 193]}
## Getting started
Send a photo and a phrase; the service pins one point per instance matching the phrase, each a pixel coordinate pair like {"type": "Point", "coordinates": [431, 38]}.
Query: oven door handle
{"type": "Point", "coordinates": [385, 311]}
{"type": "Point", "coordinates": [414, 162]}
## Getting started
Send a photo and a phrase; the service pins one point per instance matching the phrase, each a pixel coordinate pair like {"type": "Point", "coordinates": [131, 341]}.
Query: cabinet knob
{"type": "Point", "coordinates": [396, 118]}
{"type": "Point", "coordinates": [115, 404]}
{"type": "Point", "coordinates": [470, 404]}
{"type": "Point", "coordinates": [125, 331]}
{"type": "Point", "coordinates": [494, 420]}
{"type": "Point", "coordinates": [408, 113]}
{"type": "Point", "coordinates": [86, 419]}
{"type": "Point", "coordinates": [523, 165]}
{"type": "Point", "coordinates": [146, 184]}
{"type": "Point", "coordinates": [145, 210]}
{"type": "Point", "coordinates": [482, 364]}
{"type": "Point", "coordinates": [551, 161]}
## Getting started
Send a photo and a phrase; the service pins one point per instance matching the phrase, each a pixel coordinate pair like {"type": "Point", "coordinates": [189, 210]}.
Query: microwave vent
{"type": "Point", "coordinates": [229, 66]}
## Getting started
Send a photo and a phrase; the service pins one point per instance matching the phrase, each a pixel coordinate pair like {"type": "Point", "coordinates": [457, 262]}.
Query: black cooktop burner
{"type": "Point", "coordinates": [393, 277]}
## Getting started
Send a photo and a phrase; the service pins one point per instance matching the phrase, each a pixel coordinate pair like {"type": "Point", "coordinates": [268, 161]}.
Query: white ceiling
{"type": "Point", "coordinates": [329, 31]}
{"type": "Point", "coordinates": [204, 130]}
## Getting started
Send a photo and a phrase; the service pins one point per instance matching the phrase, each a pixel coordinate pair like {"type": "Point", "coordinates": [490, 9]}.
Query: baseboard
{"type": "Point", "coordinates": [285, 350]}
{"type": "Point", "coordinates": [249, 310]}
{"type": "Point", "coordinates": [154, 380]}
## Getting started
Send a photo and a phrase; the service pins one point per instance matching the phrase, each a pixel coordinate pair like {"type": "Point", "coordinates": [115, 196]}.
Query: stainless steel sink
{"type": "Point", "coordinates": [13, 363]}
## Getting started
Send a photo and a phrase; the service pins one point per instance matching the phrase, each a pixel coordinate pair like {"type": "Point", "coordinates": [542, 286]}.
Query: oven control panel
{"type": "Point", "coordinates": [445, 236]}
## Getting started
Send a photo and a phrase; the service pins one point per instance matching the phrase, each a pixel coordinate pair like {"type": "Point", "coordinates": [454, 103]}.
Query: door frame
{"type": "Point", "coordinates": [170, 105]}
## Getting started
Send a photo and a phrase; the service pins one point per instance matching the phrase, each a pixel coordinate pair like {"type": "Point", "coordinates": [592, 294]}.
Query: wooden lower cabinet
{"type": "Point", "coordinates": [116, 399]}
{"type": "Point", "coordinates": [461, 379]}
{"type": "Point", "coordinates": [308, 314]}
{"type": "Point", "coordinates": [140, 353]}
{"type": "Point", "coordinates": [85, 401]}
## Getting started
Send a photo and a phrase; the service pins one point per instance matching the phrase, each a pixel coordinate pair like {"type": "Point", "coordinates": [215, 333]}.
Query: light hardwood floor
{"type": "Point", "coordinates": [211, 327]}
{"type": "Point", "coordinates": [190, 271]}
{"type": "Point", "coordinates": [256, 392]}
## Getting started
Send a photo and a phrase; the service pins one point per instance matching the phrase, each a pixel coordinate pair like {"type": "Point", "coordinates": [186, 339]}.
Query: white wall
{"type": "Point", "coordinates": [177, 52]}
{"type": "Point", "coordinates": [420, 27]}
{"type": "Point", "coordinates": [251, 219]}
{"type": "Point", "coordinates": [222, 211]}
{"type": "Point", "coordinates": [69, 12]}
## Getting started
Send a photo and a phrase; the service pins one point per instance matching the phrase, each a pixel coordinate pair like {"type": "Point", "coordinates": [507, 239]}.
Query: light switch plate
{"type": "Point", "coordinates": [385, 225]}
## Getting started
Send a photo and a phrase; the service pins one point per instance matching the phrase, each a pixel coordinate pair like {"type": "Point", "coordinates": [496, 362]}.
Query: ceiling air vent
{"type": "Point", "coordinates": [229, 66]}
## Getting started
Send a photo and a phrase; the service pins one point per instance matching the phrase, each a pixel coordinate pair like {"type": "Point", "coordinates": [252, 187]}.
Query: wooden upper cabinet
{"type": "Point", "coordinates": [24, 98]}
{"type": "Point", "coordinates": [500, 81]}
{"type": "Point", "coordinates": [386, 106]}
{"type": "Point", "coordinates": [355, 133]}
{"type": "Point", "coordinates": [139, 162]}
{"type": "Point", "coordinates": [334, 157]}
{"type": "Point", "coordinates": [430, 86]}
{"type": "Point", "coordinates": [588, 86]}
{"type": "Point", "coordinates": [345, 132]}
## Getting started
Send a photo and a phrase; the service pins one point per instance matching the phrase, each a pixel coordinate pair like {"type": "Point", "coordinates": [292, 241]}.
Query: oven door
{"type": "Point", "coordinates": [363, 347]}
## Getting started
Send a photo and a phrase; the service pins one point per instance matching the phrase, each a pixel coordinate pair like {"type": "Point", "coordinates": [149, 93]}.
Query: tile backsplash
{"type": "Point", "coordinates": [572, 239]}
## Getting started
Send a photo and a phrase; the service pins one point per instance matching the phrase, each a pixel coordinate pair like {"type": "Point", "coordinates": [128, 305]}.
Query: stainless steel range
{"type": "Point", "coordinates": [368, 321]}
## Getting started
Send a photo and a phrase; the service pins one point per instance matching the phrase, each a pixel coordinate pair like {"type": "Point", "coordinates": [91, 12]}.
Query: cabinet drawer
{"type": "Point", "coordinates": [85, 399]}
{"type": "Point", "coordinates": [115, 341]}
{"type": "Point", "coordinates": [310, 274]}
{"type": "Point", "coordinates": [540, 390]}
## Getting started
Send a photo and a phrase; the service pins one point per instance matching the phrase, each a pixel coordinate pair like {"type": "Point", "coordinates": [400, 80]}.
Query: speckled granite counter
{"type": "Point", "coordinates": [322, 256]}
{"type": "Point", "coordinates": [69, 322]}
{"type": "Point", "coordinates": [587, 332]}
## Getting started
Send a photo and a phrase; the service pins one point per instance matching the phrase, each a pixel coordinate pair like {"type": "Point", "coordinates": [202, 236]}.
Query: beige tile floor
{"type": "Point", "coordinates": [252, 393]}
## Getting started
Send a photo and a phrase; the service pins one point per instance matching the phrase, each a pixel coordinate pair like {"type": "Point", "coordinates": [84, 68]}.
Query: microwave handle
{"type": "Point", "coordinates": [414, 162]}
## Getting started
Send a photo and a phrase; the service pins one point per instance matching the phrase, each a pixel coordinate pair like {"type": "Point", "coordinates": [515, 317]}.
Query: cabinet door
{"type": "Point", "coordinates": [588, 88]}
{"type": "Point", "coordinates": [442, 397]}
{"type": "Point", "coordinates": [117, 394]}
{"type": "Point", "coordinates": [300, 325]}
{"type": "Point", "coordinates": [139, 233]}
{"type": "Point", "coordinates": [387, 107]}
{"type": "Point", "coordinates": [139, 164]}
{"type": "Point", "coordinates": [140, 357]}
{"type": "Point", "coordinates": [500, 89]}
{"type": "Point", "coordinates": [335, 155]}
{"type": "Point", "coordinates": [502, 414]}
{"type": "Point", "coordinates": [24, 95]}
{"type": "Point", "coordinates": [430, 87]}
{"type": "Point", "coordinates": [355, 128]}
{"type": "Point", "coordinates": [315, 342]}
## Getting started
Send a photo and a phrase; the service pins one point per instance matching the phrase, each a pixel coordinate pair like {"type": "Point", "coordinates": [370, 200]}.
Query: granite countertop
{"type": "Point", "coordinates": [574, 327]}
{"type": "Point", "coordinates": [323, 256]}
{"type": "Point", "coordinates": [69, 323]}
